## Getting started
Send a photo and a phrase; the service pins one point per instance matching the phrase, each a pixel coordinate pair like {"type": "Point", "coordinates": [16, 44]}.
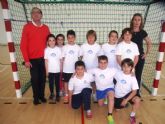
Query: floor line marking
{"type": "Point", "coordinates": [82, 115]}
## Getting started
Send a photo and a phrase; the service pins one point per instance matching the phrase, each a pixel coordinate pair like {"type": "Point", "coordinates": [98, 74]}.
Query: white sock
{"type": "Point", "coordinates": [88, 111]}
{"type": "Point", "coordinates": [94, 94]}
{"type": "Point", "coordinates": [132, 114]}
{"type": "Point", "coordinates": [66, 95]}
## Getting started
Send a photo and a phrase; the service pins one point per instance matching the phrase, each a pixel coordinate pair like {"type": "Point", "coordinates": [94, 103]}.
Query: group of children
{"type": "Point", "coordinates": [104, 71]}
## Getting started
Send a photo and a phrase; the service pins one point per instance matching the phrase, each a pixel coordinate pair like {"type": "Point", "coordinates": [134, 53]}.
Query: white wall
{"type": "Point", "coordinates": [2, 28]}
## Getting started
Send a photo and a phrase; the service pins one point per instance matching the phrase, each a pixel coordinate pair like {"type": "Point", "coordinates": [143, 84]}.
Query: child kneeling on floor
{"type": "Point", "coordinates": [126, 89]}
{"type": "Point", "coordinates": [80, 89]}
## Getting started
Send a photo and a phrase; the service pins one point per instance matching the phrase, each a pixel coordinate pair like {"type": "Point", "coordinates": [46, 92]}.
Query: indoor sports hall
{"type": "Point", "coordinates": [16, 98]}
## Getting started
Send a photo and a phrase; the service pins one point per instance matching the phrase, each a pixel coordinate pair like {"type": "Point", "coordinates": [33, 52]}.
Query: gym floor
{"type": "Point", "coordinates": [22, 111]}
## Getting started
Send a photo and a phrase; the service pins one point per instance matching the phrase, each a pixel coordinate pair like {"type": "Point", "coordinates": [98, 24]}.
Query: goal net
{"type": "Point", "coordinates": [83, 15]}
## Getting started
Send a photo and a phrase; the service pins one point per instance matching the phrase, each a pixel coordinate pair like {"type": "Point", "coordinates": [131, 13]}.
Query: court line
{"type": "Point", "coordinates": [14, 98]}
{"type": "Point", "coordinates": [82, 115]}
{"type": "Point", "coordinates": [30, 98]}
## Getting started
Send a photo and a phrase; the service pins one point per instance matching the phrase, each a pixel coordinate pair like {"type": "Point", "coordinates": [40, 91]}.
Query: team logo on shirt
{"type": "Point", "coordinates": [102, 76]}
{"type": "Point", "coordinates": [112, 51]}
{"type": "Point", "coordinates": [85, 81]}
{"type": "Point", "coordinates": [128, 51]}
{"type": "Point", "coordinates": [123, 81]}
{"type": "Point", "coordinates": [90, 51]}
{"type": "Point", "coordinates": [53, 54]}
{"type": "Point", "coordinates": [71, 52]}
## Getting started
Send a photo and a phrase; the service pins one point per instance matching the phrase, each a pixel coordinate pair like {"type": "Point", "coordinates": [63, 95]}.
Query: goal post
{"type": "Point", "coordinates": [83, 15]}
{"type": "Point", "coordinates": [159, 60]}
{"type": "Point", "coordinates": [11, 47]}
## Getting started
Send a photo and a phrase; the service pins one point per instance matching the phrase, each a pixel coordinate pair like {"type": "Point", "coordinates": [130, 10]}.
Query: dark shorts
{"type": "Point", "coordinates": [66, 77]}
{"type": "Point", "coordinates": [101, 94]}
{"type": "Point", "coordinates": [118, 101]}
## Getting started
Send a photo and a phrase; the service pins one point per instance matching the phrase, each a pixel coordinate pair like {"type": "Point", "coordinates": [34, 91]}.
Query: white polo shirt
{"type": "Point", "coordinates": [127, 50]}
{"type": "Point", "coordinates": [53, 55]}
{"type": "Point", "coordinates": [90, 54]}
{"type": "Point", "coordinates": [77, 85]}
{"type": "Point", "coordinates": [125, 84]}
{"type": "Point", "coordinates": [103, 78]}
{"type": "Point", "coordinates": [70, 53]}
{"type": "Point", "coordinates": [110, 51]}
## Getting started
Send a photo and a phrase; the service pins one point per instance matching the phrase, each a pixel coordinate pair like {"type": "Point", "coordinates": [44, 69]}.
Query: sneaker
{"type": "Point", "coordinates": [110, 119]}
{"type": "Point", "coordinates": [43, 100]}
{"type": "Point", "coordinates": [66, 99]}
{"type": "Point", "coordinates": [36, 102]}
{"type": "Point", "coordinates": [61, 93]}
{"type": "Point", "coordinates": [132, 120]}
{"type": "Point", "coordinates": [89, 114]}
{"type": "Point", "coordinates": [51, 96]}
{"type": "Point", "coordinates": [54, 99]}
{"type": "Point", "coordinates": [94, 98]}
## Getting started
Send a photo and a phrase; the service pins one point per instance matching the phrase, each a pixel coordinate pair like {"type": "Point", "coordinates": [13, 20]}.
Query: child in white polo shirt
{"type": "Point", "coordinates": [126, 88]}
{"type": "Point", "coordinates": [103, 77]}
{"type": "Point", "coordinates": [80, 89]}
{"type": "Point", "coordinates": [53, 61]}
{"type": "Point", "coordinates": [89, 53]}
{"type": "Point", "coordinates": [70, 54]}
{"type": "Point", "coordinates": [127, 48]}
{"type": "Point", "coordinates": [109, 49]}
{"type": "Point", "coordinates": [90, 50]}
{"type": "Point", "coordinates": [60, 38]}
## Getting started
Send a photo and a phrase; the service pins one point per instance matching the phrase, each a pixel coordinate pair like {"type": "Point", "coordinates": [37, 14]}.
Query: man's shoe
{"type": "Point", "coordinates": [43, 100]}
